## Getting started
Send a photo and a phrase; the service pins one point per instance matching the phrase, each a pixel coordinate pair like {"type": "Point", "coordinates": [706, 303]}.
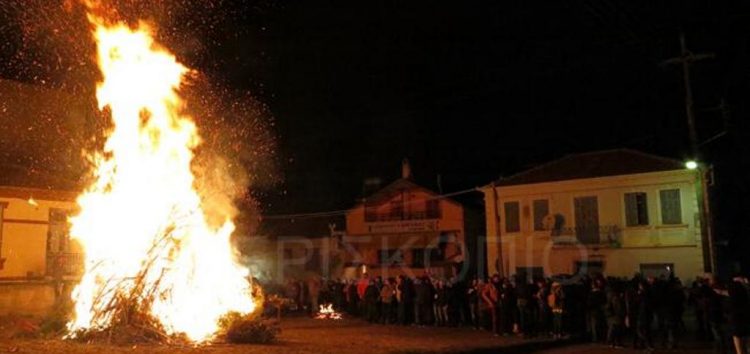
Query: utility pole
{"type": "Point", "coordinates": [499, 265]}
{"type": "Point", "coordinates": [685, 59]}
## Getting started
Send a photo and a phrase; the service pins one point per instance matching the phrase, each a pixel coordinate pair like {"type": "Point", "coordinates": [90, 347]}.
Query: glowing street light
{"type": "Point", "coordinates": [691, 165]}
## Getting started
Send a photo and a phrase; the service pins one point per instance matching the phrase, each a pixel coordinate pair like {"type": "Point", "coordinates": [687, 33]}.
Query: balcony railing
{"type": "Point", "coordinates": [64, 264]}
{"type": "Point", "coordinates": [602, 236]}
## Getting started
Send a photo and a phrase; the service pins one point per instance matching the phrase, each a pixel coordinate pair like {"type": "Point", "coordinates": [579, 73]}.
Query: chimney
{"type": "Point", "coordinates": [405, 169]}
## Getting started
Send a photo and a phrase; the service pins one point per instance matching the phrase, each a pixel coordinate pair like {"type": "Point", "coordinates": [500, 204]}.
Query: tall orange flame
{"type": "Point", "coordinates": [143, 211]}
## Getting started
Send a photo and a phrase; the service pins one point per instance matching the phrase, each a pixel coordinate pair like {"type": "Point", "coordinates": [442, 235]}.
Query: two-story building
{"type": "Point", "coordinates": [36, 253]}
{"type": "Point", "coordinates": [617, 212]}
{"type": "Point", "coordinates": [405, 228]}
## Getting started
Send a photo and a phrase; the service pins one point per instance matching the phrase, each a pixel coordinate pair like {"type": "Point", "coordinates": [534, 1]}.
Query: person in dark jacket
{"type": "Point", "coordinates": [544, 313]}
{"type": "Point", "coordinates": [698, 303]}
{"type": "Point", "coordinates": [738, 294]}
{"type": "Point", "coordinates": [615, 312]}
{"type": "Point", "coordinates": [739, 319]}
{"type": "Point", "coordinates": [596, 301]}
{"type": "Point", "coordinates": [388, 301]}
{"type": "Point", "coordinates": [405, 299]}
{"type": "Point", "coordinates": [440, 304]}
{"type": "Point", "coordinates": [523, 300]}
{"type": "Point", "coordinates": [673, 305]}
{"type": "Point", "coordinates": [631, 310]}
{"type": "Point", "coordinates": [372, 295]}
{"type": "Point", "coordinates": [644, 315]}
{"type": "Point", "coordinates": [423, 293]}
{"type": "Point", "coordinates": [459, 311]}
{"type": "Point", "coordinates": [659, 290]}
{"type": "Point", "coordinates": [337, 293]}
{"type": "Point", "coordinates": [508, 306]}
{"type": "Point", "coordinates": [715, 308]}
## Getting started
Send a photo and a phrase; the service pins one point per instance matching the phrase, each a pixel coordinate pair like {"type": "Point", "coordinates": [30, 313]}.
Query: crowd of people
{"type": "Point", "coordinates": [648, 311]}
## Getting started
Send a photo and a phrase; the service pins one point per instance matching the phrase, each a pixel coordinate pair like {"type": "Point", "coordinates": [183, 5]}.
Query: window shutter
{"type": "Point", "coordinates": [631, 209]}
{"type": "Point", "coordinates": [512, 217]}
{"type": "Point", "coordinates": [671, 209]}
{"type": "Point", "coordinates": [636, 209]}
{"type": "Point", "coordinates": [541, 209]}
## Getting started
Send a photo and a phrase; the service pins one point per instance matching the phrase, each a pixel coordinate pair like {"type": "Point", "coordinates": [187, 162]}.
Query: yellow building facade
{"type": "Point", "coordinates": [33, 231]}
{"type": "Point", "coordinates": [36, 254]}
{"type": "Point", "coordinates": [617, 212]}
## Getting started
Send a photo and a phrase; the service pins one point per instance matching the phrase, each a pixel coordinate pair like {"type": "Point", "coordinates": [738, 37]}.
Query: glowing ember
{"type": "Point", "coordinates": [327, 313]}
{"type": "Point", "coordinates": [141, 222]}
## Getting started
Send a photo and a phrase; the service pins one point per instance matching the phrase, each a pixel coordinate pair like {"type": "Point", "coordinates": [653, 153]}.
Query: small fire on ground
{"type": "Point", "coordinates": [327, 312]}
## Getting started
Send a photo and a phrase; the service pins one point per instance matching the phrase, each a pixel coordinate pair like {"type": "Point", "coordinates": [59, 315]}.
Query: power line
{"type": "Point", "coordinates": [330, 213]}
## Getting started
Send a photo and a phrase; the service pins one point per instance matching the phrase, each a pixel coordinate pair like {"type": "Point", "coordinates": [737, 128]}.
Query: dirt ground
{"type": "Point", "coordinates": [601, 349]}
{"type": "Point", "coordinates": [305, 335]}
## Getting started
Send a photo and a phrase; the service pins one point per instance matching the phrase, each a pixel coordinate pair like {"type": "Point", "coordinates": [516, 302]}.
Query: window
{"type": "Point", "coordinates": [417, 256]}
{"type": "Point", "coordinates": [58, 236]}
{"type": "Point", "coordinates": [432, 208]}
{"type": "Point", "coordinates": [512, 217]}
{"type": "Point", "coordinates": [671, 207]}
{"type": "Point", "coordinates": [636, 209]}
{"type": "Point", "coordinates": [424, 257]}
{"type": "Point", "coordinates": [541, 209]}
{"type": "Point", "coordinates": [390, 257]}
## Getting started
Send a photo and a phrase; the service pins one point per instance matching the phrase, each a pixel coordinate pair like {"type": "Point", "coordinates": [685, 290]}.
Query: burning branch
{"type": "Point", "coordinates": [128, 310]}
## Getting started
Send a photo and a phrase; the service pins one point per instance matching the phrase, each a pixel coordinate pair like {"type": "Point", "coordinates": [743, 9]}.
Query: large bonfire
{"type": "Point", "coordinates": [150, 249]}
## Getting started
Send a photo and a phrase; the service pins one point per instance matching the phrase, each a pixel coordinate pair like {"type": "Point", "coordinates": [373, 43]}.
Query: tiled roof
{"type": "Point", "coordinates": [593, 164]}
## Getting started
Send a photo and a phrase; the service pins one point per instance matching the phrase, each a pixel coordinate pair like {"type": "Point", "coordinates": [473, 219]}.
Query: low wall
{"type": "Point", "coordinates": [31, 298]}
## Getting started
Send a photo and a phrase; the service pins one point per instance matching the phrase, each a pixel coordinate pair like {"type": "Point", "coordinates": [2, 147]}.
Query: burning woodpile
{"type": "Point", "coordinates": [156, 267]}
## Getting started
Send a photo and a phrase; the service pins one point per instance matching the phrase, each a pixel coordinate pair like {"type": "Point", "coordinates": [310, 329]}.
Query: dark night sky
{"type": "Point", "coordinates": [474, 90]}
